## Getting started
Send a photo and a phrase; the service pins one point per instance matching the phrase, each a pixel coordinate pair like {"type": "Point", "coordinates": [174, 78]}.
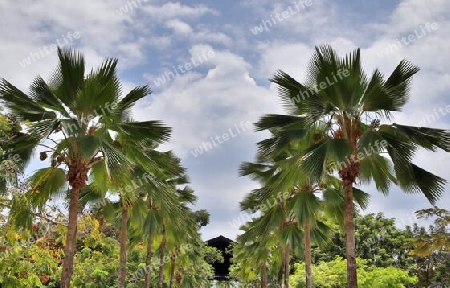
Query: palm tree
{"type": "Point", "coordinates": [178, 225]}
{"type": "Point", "coordinates": [251, 248]}
{"type": "Point", "coordinates": [283, 174]}
{"type": "Point", "coordinates": [73, 116]}
{"type": "Point", "coordinates": [160, 206]}
{"type": "Point", "coordinates": [306, 205]}
{"type": "Point", "coordinates": [163, 163]}
{"type": "Point", "coordinates": [277, 219]}
{"type": "Point", "coordinates": [123, 240]}
{"type": "Point", "coordinates": [338, 95]}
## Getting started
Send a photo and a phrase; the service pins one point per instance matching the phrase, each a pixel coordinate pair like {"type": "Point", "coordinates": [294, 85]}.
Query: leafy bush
{"type": "Point", "coordinates": [333, 274]}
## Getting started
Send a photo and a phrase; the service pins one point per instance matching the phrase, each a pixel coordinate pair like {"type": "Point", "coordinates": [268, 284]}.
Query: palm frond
{"type": "Point", "coordinates": [432, 186]}
{"type": "Point", "coordinates": [275, 121]}
{"type": "Point", "coordinates": [361, 198]}
{"type": "Point", "coordinates": [42, 94]}
{"type": "Point", "coordinates": [101, 88]}
{"type": "Point", "coordinates": [68, 78]}
{"type": "Point", "coordinates": [305, 206]}
{"type": "Point", "coordinates": [318, 156]}
{"type": "Point", "coordinates": [22, 106]}
{"type": "Point", "coordinates": [291, 92]}
{"type": "Point", "coordinates": [46, 183]}
{"type": "Point", "coordinates": [131, 98]}
{"type": "Point", "coordinates": [399, 83]}
{"type": "Point", "coordinates": [428, 138]}
{"type": "Point", "coordinates": [151, 131]}
{"type": "Point", "coordinates": [378, 169]}
{"type": "Point", "coordinates": [87, 146]}
{"type": "Point", "coordinates": [391, 94]}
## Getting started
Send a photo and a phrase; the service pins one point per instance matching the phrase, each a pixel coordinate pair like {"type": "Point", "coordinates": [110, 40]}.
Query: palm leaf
{"type": "Point", "coordinates": [46, 183]}
{"type": "Point", "coordinates": [68, 78]}
{"type": "Point", "coordinates": [101, 88]}
{"type": "Point", "coordinates": [44, 96]}
{"type": "Point", "coordinates": [22, 106]}
{"type": "Point", "coordinates": [154, 131]}
{"type": "Point", "coordinates": [378, 169]}
{"type": "Point", "coordinates": [428, 138]}
{"type": "Point", "coordinates": [305, 205]}
{"type": "Point", "coordinates": [361, 198]}
{"type": "Point", "coordinates": [291, 92]}
{"type": "Point", "coordinates": [131, 98]}
{"type": "Point", "coordinates": [88, 146]}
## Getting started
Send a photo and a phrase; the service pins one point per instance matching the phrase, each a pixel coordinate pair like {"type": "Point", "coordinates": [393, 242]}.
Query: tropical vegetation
{"type": "Point", "coordinates": [108, 206]}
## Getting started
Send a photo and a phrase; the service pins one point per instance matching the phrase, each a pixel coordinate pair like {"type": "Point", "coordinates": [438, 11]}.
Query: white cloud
{"type": "Point", "coordinates": [200, 106]}
{"type": "Point", "coordinates": [292, 58]}
{"type": "Point", "coordinates": [176, 10]}
{"type": "Point", "coordinates": [179, 26]}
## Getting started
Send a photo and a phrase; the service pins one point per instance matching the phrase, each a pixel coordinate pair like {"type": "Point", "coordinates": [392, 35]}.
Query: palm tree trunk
{"type": "Point", "coordinates": [172, 269]}
{"type": "Point", "coordinates": [123, 247]}
{"type": "Point", "coordinates": [281, 272]}
{"type": "Point", "coordinates": [263, 275]}
{"type": "Point", "coordinates": [71, 240]}
{"type": "Point", "coordinates": [349, 227]}
{"type": "Point", "coordinates": [148, 262]}
{"type": "Point", "coordinates": [308, 254]}
{"type": "Point", "coordinates": [286, 266]}
{"type": "Point", "coordinates": [162, 246]}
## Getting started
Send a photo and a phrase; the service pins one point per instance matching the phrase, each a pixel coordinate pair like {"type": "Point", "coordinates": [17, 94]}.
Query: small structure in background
{"type": "Point", "coordinates": [221, 270]}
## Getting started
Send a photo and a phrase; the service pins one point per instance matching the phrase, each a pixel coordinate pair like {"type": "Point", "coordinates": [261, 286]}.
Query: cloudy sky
{"type": "Point", "coordinates": [227, 50]}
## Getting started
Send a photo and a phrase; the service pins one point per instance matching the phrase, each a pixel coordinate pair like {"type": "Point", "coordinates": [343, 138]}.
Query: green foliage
{"type": "Point", "coordinates": [10, 164]}
{"type": "Point", "coordinates": [29, 258]}
{"type": "Point", "coordinates": [377, 239]}
{"type": "Point", "coordinates": [333, 274]}
{"type": "Point", "coordinates": [212, 255]}
{"type": "Point", "coordinates": [439, 238]}
{"type": "Point", "coordinates": [33, 258]}
{"type": "Point", "coordinates": [433, 249]}
{"type": "Point", "coordinates": [97, 260]}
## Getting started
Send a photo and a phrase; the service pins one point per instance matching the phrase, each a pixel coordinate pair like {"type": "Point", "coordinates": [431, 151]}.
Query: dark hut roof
{"type": "Point", "coordinates": [219, 240]}
{"type": "Point", "coordinates": [221, 270]}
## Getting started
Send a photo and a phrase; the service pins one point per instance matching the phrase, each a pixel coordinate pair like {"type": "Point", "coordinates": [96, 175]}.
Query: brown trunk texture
{"type": "Point", "coordinates": [263, 275]}
{"type": "Point", "coordinates": [349, 227]}
{"type": "Point", "coordinates": [286, 266]}
{"type": "Point", "coordinates": [71, 240]}
{"type": "Point", "coordinates": [148, 262]}
{"type": "Point", "coordinates": [281, 272]}
{"type": "Point", "coordinates": [161, 257]}
{"type": "Point", "coordinates": [308, 255]}
{"type": "Point", "coordinates": [172, 269]}
{"type": "Point", "coordinates": [123, 247]}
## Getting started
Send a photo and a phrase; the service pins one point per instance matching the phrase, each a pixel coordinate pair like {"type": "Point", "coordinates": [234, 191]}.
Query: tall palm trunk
{"type": "Point", "coordinates": [71, 239]}
{"type": "Point", "coordinates": [263, 274]}
{"type": "Point", "coordinates": [348, 176]}
{"type": "Point", "coordinates": [349, 227]}
{"type": "Point", "coordinates": [172, 269]}
{"type": "Point", "coordinates": [148, 262]}
{"type": "Point", "coordinates": [281, 271]}
{"type": "Point", "coordinates": [162, 246]}
{"type": "Point", "coordinates": [308, 254]}
{"type": "Point", "coordinates": [123, 237]}
{"type": "Point", "coordinates": [286, 266]}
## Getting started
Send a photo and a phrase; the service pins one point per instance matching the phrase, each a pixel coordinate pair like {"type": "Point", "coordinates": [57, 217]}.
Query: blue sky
{"type": "Point", "coordinates": [232, 87]}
